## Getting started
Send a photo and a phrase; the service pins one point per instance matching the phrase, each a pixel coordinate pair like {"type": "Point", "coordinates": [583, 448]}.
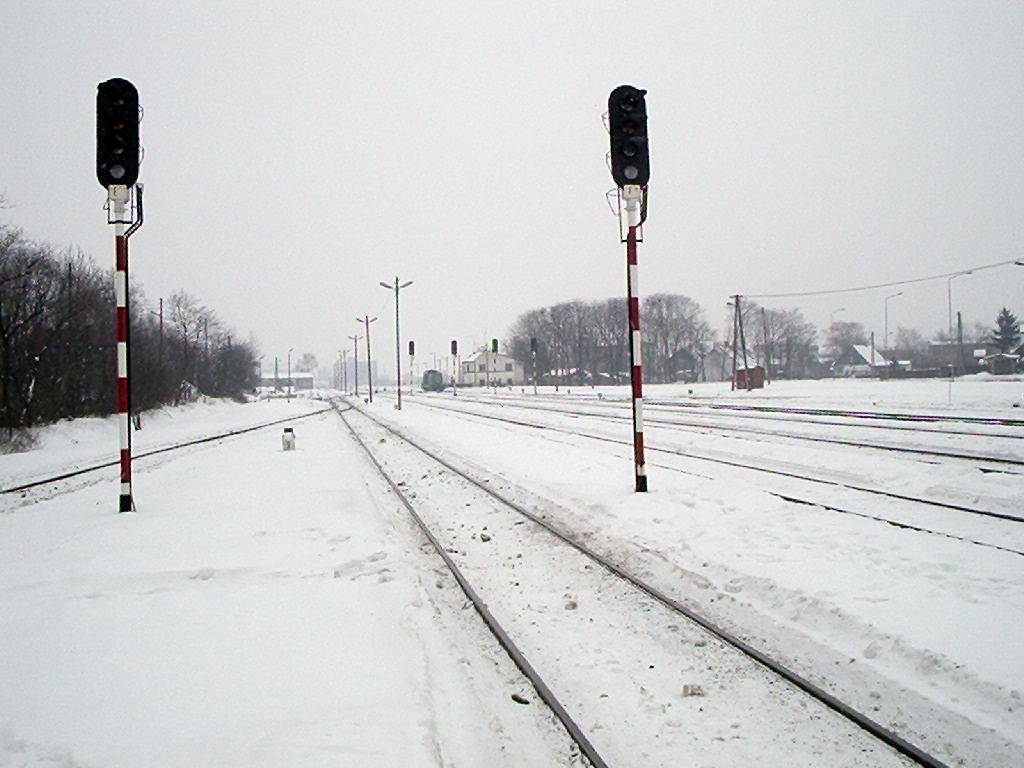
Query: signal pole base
{"type": "Point", "coordinates": [126, 504]}
{"type": "Point", "coordinates": [641, 484]}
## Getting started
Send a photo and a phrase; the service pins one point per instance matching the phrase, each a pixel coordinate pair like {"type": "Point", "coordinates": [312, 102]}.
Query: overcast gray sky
{"type": "Point", "coordinates": [296, 154]}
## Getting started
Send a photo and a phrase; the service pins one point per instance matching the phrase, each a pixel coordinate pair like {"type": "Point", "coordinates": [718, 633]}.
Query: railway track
{"type": "Point", "coordinates": [415, 496]}
{"type": "Point", "coordinates": [760, 411]}
{"type": "Point", "coordinates": [52, 479]}
{"type": "Point", "coordinates": [994, 539]}
{"type": "Point", "coordinates": [985, 463]}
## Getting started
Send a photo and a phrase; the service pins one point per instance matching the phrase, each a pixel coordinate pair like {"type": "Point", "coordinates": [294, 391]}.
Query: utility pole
{"type": "Point", "coordinates": [735, 350]}
{"type": "Point", "coordinates": [738, 334]}
{"type": "Point", "coordinates": [960, 341]}
{"type": "Point", "coordinates": [398, 343]}
{"type": "Point", "coordinates": [366, 320]}
{"type": "Point", "coordinates": [160, 353]}
{"type": "Point", "coordinates": [289, 396]}
{"type": "Point", "coordinates": [355, 362]}
{"type": "Point", "coordinates": [533, 356]}
{"type": "Point", "coordinates": [885, 321]}
{"type": "Point", "coordinates": [344, 370]}
{"type": "Point", "coordinates": [767, 347]}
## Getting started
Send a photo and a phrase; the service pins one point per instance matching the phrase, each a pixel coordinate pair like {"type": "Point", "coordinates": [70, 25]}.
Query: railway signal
{"type": "Point", "coordinates": [117, 169]}
{"type": "Point", "coordinates": [412, 355]}
{"type": "Point", "coordinates": [630, 164]}
{"type": "Point", "coordinates": [627, 126]}
{"type": "Point", "coordinates": [117, 133]}
{"type": "Point", "coordinates": [455, 367]}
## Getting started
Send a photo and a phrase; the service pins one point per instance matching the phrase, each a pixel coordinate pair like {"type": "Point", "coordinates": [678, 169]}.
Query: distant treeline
{"type": "Point", "coordinates": [588, 342]}
{"type": "Point", "coordinates": [58, 350]}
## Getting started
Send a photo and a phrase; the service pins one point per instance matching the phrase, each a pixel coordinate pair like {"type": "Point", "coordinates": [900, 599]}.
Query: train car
{"type": "Point", "coordinates": [433, 381]}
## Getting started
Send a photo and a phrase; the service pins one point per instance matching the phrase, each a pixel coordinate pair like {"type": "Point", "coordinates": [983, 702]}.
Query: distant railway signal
{"type": "Point", "coordinates": [455, 347]}
{"type": "Point", "coordinates": [412, 348]}
{"type": "Point", "coordinates": [627, 126]}
{"type": "Point", "coordinates": [117, 133]}
{"type": "Point", "coordinates": [494, 346]}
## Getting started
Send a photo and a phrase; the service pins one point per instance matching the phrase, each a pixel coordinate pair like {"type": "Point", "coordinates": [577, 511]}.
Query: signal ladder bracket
{"type": "Point", "coordinates": [631, 194]}
{"type": "Point", "coordinates": [124, 206]}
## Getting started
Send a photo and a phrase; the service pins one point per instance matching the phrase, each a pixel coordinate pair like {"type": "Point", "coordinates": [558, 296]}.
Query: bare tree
{"type": "Point", "coordinates": [843, 334]}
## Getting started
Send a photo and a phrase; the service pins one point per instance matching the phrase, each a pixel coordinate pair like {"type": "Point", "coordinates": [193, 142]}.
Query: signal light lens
{"type": "Point", "coordinates": [630, 172]}
{"type": "Point", "coordinates": [116, 171]}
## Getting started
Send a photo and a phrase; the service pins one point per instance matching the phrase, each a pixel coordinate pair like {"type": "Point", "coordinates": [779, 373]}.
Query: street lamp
{"type": "Point", "coordinates": [366, 319]}
{"type": "Point", "coordinates": [398, 344]}
{"type": "Point", "coordinates": [886, 304]}
{"type": "Point", "coordinates": [289, 396]}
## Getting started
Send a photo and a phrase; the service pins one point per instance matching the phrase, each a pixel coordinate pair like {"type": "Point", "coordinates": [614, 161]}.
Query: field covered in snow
{"type": "Point", "coordinates": [270, 608]}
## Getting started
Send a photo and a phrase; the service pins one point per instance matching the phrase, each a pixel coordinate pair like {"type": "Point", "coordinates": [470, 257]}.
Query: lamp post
{"type": "Point", "coordinates": [398, 345]}
{"type": "Point", "coordinates": [289, 396]}
{"type": "Point", "coordinates": [366, 320]}
{"type": "Point", "coordinates": [886, 305]}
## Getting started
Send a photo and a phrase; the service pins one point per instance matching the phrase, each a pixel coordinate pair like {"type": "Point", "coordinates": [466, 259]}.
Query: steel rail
{"type": "Point", "coordinates": [165, 449]}
{"type": "Point", "coordinates": [697, 426]}
{"type": "Point", "coordinates": [760, 412]}
{"type": "Point", "coordinates": [753, 467]}
{"type": "Point", "coordinates": [506, 642]}
{"type": "Point", "coordinates": [876, 729]}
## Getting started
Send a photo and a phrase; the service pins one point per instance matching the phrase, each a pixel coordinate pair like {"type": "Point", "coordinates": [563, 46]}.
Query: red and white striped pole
{"type": "Point", "coordinates": [117, 198]}
{"type": "Point", "coordinates": [632, 195]}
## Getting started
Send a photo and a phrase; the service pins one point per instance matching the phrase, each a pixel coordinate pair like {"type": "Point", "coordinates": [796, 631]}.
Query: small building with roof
{"type": "Point", "coordinates": [860, 360]}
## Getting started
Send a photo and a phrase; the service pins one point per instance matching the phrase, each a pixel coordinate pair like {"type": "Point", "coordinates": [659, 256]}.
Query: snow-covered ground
{"type": "Point", "coordinates": [266, 607]}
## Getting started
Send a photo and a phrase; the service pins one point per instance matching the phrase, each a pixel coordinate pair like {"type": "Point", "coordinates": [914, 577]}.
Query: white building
{"type": "Point", "coordinates": [301, 380]}
{"type": "Point", "coordinates": [490, 369]}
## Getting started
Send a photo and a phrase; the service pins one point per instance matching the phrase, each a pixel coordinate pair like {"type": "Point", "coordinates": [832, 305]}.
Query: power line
{"type": "Point", "coordinates": [1019, 262]}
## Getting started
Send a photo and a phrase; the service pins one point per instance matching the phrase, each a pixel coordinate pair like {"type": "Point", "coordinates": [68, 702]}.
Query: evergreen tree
{"type": "Point", "coordinates": [1006, 336]}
